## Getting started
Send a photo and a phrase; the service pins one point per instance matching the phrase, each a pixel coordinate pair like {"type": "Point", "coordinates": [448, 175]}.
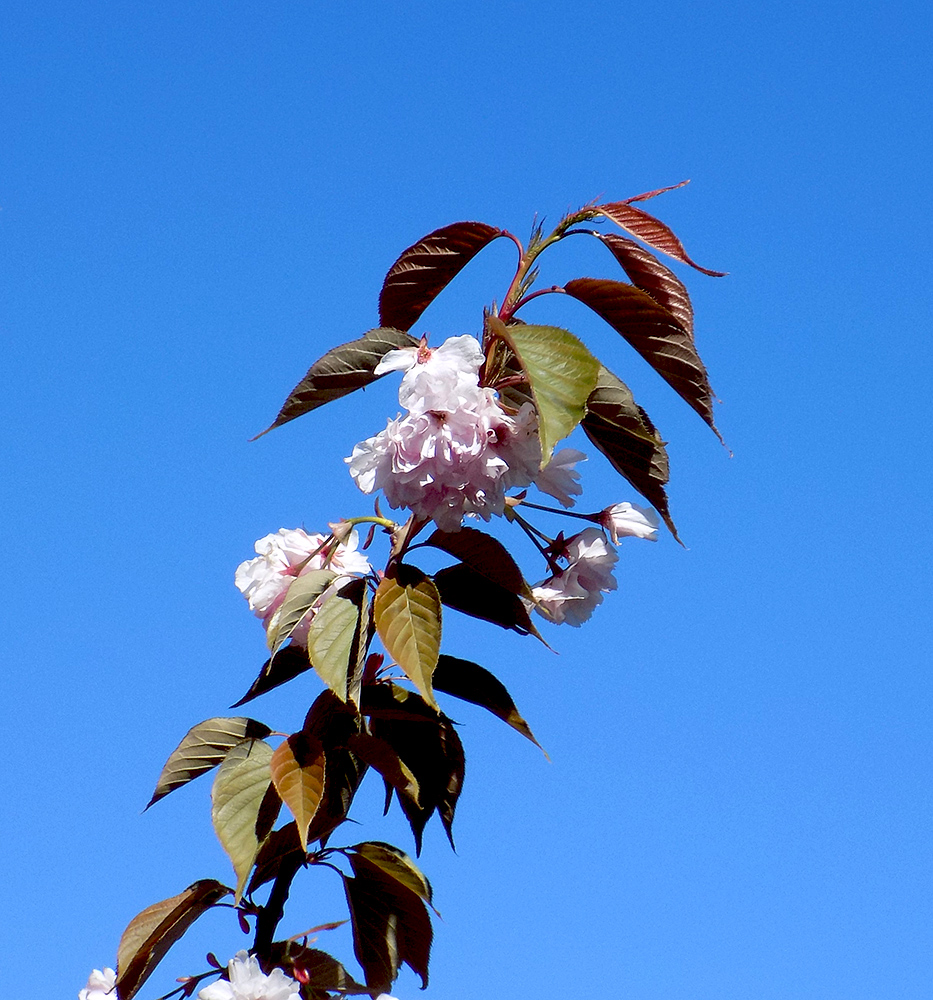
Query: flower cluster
{"type": "Point", "coordinates": [572, 595]}
{"type": "Point", "coordinates": [290, 553]}
{"type": "Point", "coordinates": [248, 982]}
{"type": "Point", "coordinates": [101, 985]}
{"type": "Point", "coordinates": [456, 451]}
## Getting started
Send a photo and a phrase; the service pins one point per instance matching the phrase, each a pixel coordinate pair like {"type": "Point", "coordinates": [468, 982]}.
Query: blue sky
{"type": "Point", "coordinates": [197, 202]}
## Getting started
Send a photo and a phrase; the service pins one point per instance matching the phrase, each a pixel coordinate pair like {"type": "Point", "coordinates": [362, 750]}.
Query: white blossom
{"type": "Point", "coordinates": [248, 982]}
{"type": "Point", "coordinates": [572, 595]}
{"type": "Point", "coordinates": [629, 520]}
{"type": "Point", "coordinates": [457, 451]}
{"type": "Point", "coordinates": [559, 479]}
{"type": "Point", "coordinates": [288, 554]}
{"type": "Point", "coordinates": [439, 378]}
{"type": "Point", "coordinates": [101, 985]}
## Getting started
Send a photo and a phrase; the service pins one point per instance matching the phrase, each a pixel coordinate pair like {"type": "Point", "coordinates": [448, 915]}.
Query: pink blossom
{"type": "Point", "coordinates": [572, 595]}
{"type": "Point", "coordinates": [628, 520]}
{"type": "Point", "coordinates": [101, 985]}
{"type": "Point", "coordinates": [559, 479]}
{"type": "Point", "coordinates": [457, 451]}
{"type": "Point", "coordinates": [290, 553]}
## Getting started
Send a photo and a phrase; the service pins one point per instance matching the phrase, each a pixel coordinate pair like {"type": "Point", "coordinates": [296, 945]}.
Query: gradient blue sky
{"type": "Point", "coordinates": [197, 201]}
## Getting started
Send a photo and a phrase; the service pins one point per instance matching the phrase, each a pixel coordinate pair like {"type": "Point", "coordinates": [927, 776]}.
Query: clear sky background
{"type": "Point", "coordinates": [199, 200]}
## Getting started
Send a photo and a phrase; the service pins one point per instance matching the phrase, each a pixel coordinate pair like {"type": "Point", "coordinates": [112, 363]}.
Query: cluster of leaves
{"type": "Point", "coordinates": [364, 719]}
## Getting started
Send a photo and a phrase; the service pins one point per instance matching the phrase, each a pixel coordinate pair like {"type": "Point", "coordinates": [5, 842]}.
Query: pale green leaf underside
{"type": "Point", "coordinates": [239, 789]}
{"type": "Point", "coordinates": [331, 641]}
{"type": "Point", "coordinates": [299, 600]}
{"type": "Point", "coordinates": [204, 747]}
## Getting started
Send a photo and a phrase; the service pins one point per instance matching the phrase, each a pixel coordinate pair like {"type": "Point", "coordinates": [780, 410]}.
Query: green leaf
{"type": "Point", "coordinates": [300, 598]}
{"type": "Point", "coordinates": [297, 768]}
{"type": "Point", "coordinates": [471, 682]}
{"type": "Point", "coordinates": [425, 269]}
{"type": "Point", "coordinates": [334, 636]}
{"type": "Point", "coordinates": [203, 748]}
{"type": "Point", "coordinates": [461, 587]}
{"type": "Point", "coordinates": [407, 610]}
{"type": "Point", "coordinates": [151, 933]}
{"type": "Point", "coordinates": [288, 663]}
{"type": "Point", "coordinates": [650, 230]}
{"type": "Point", "coordinates": [390, 925]}
{"type": "Point", "coordinates": [483, 554]}
{"type": "Point", "coordinates": [341, 371]}
{"type": "Point", "coordinates": [396, 864]}
{"type": "Point", "coordinates": [380, 756]}
{"type": "Point", "coordinates": [655, 333]}
{"type": "Point", "coordinates": [560, 371]}
{"type": "Point", "coordinates": [623, 432]}
{"type": "Point", "coordinates": [239, 808]}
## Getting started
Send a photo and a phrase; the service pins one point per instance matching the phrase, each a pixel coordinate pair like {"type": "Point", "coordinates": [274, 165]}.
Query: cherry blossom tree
{"type": "Point", "coordinates": [478, 438]}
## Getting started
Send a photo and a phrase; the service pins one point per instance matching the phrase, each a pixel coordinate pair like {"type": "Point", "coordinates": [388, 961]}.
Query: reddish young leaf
{"type": "Point", "coordinates": [392, 701]}
{"type": "Point", "coordinates": [340, 371]}
{"type": "Point", "coordinates": [151, 933]}
{"type": "Point", "coordinates": [334, 723]}
{"type": "Point", "coordinates": [434, 754]}
{"type": "Point", "coordinates": [343, 774]}
{"type": "Point", "coordinates": [425, 269]}
{"type": "Point", "coordinates": [650, 230]}
{"type": "Point", "coordinates": [320, 973]}
{"type": "Point", "coordinates": [654, 333]}
{"type": "Point", "coordinates": [380, 756]}
{"type": "Point", "coordinates": [654, 193]}
{"type": "Point", "coordinates": [391, 925]}
{"type": "Point", "coordinates": [623, 432]}
{"type": "Point", "coordinates": [280, 846]}
{"type": "Point", "coordinates": [646, 272]}
{"type": "Point", "coordinates": [298, 768]}
{"type": "Point", "coordinates": [471, 682]}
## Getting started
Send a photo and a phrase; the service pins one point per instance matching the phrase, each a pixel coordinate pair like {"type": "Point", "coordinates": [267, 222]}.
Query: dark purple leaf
{"type": "Point", "coordinates": [646, 272]}
{"type": "Point", "coordinates": [623, 432]}
{"type": "Point", "coordinates": [650, 230]}
{"type": "Point", "coordinates": [340, 371]}
{"type": "Point", "coordinates": [655, 333]}
{"type": "Point", "coordinates": [288, 662]}
{"type": "Point", "coordinates": [471, 682]}
{"type": "Point", "coordinates": [462, 588]}
{"type": "Point", "coordinates": [483, 554]}
{"type": "Point", "coordinates": [391, 925]}
{"type": "Point", "coordinates": [426, 268]}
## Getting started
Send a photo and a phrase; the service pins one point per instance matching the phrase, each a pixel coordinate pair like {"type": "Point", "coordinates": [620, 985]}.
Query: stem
{"type": "Point", "coordinates": [533, 295]}
{"type": "Point", "coordinates": [383, 522]}
{"type": "Point", "coordinates": [269, 915]}
{"type": "Point", "coordinates": [531, 531]}
{"type": "Point", "coordinates": [511, 301]}
{"type": "Point", "coordinates": [567, 513]}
